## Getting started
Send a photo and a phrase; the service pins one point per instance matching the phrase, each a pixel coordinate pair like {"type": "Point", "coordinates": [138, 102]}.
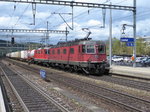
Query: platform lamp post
{"type": "Point", "coordinates": [134, 34]}
{"type": "Point", "coordinates": [110, 37]}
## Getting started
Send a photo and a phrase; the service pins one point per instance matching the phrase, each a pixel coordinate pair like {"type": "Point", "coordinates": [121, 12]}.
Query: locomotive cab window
{"type": "Point", "coordinates": [101, 49]}
{"type": "Point", "coordinates": [83, 49]}
{"type": "Point", "coordinates": [90, 49]}
{"type": "Point", "coordinates": [47, 51]}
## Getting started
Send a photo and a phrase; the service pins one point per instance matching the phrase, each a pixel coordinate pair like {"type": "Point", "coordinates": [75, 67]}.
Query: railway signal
{"type": "Point", "coordinates": [12, 40]}
{"type": "Point", "coordinates": [90, 5]}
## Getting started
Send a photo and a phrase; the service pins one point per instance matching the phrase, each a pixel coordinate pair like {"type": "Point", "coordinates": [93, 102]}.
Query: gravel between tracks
{"type": "Point", "coordinates": [114, 86]}
{"type": "Point", "coordinates": [49, 87]}
{"type": "Point", "coordinates": [13, 102]}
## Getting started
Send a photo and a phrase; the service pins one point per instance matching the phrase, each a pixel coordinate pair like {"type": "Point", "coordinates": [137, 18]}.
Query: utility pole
{"type": "Point", "coordinates": [47, 36]}
{"type": "Point", "coordinates": [72, 18]}
{"type": "Point", "coordinates": [66, 34]}
{"type": "Point", "coordinates": [134, 34]}
{"type": "Point", "coordinates": [34, 12]}
{"type": "Point", "coordinates": [110, 38]}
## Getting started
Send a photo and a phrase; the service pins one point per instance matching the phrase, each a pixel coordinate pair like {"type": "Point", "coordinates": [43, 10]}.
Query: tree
{"type": "Point", "coordinates": [141, 47]}
{"type": "Point", "coordinates": [120, 48]}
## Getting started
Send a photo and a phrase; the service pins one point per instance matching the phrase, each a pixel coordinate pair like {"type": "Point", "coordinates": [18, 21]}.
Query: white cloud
{"type": "Point", "coordinates": [39, 15]}
{"type": "Point", "coordinates": [93, 22]}
{"type": "Point", "coordinates": [41, 29]}
{"type": "Point", "coordinates": [80, 22]}
{"type": "Point", "coordinates": [64, 25]}
{"type": "Point", "coordinates": [9, 22]}
{"type": "Point", "coordinates": [143, 27]}
{"type": "Point", "coordinates": [4, 4]}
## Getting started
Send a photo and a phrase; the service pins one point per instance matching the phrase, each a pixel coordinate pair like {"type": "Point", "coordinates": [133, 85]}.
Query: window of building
{"type": "Point", "coordinates": [90, 49]}
{"type": "Point", "coordinates": [72, 50]}
{"type": "Point", "coordinates": [101, 49]}
{"type": "Point", "coordinates": [64, 51]}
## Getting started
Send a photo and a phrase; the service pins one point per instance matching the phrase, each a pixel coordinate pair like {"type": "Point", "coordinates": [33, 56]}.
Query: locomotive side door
{"type": "Point", "coordinates": [80, 56]}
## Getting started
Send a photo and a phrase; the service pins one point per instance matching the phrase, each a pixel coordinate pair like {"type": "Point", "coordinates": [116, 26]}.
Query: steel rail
{"type": "Point", "coordinates": [135, 84]}
{"type": "Point", "coordinates": [15, 91]}
{"type": "Point", "coordinates": [5, 96]}
{"type": "Point", "coordinates": [42, 92]}
{"type": "Point", "coordinates": [135, 77]}
{"type": "Point", "coordinates": [97, 94]}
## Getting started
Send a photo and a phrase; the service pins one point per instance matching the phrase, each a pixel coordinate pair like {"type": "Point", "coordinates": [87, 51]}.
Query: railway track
{"type": "Point", "coordinates": [125, 82]}
{"type": "Point", "coordinates": [132, 77]}
{"type": "Point", "coordinates": [5, 95]}
{"type": "Point", "coordinates": [121, 81]}
{"type": "Point", "coordinates": [31, 98]}
{"type": "Point", "coordinates": [124, 100]}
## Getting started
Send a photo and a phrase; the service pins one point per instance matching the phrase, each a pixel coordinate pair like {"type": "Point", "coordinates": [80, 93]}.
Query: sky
{"type": "Point", "coordinates": [20, 16]}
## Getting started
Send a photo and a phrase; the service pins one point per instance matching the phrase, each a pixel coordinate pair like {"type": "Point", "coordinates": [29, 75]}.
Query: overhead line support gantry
{"type": "Point", "coordinates": [34, 31]}
{"type": "Point", "coordinates": [89, 5]}
{"type": "Point", "coordinates": [78, 4]}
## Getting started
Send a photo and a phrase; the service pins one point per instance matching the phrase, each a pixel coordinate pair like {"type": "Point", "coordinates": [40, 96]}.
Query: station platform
{"type": "Point", "coordinates": [139, 72]}
{"type": "Point", "coordinates": [2, 105]}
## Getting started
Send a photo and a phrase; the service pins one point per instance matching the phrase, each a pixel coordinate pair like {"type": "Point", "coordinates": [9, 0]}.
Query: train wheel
{"type": "Point", "coordinates": [85, 70]}
{"type": "Point", "coordinates": [106, 72]}
{"type": "Point", "coordinates": [71, 69]}
{"type": "Point", "coordinates": [76, 68]}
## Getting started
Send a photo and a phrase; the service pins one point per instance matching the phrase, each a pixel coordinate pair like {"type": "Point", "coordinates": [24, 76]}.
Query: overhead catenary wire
{"type": "Point", "coordinates": [85, 12]}
{"type": "Point", "coordinates": [13, 13]}
{"type": "Point", "coordinates": [41, 23]}
{"type": "Point", "coordinates": [139, 15]}
{"type": "Point", "coordinates": [21, 15]}
{"type": "Point", "coordinates": [123, 0]}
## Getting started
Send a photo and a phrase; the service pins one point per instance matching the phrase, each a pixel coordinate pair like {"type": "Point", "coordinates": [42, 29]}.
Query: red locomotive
{"type": "Point", "coordinates": [83, 54]}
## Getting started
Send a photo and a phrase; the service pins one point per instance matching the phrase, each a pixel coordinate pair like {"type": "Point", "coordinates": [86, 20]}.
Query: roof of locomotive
{"type": "Point", "coordinates": [78, 42]}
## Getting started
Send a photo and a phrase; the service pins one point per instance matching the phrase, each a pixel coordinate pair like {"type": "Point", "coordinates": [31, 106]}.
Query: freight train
{"type": "Point", "coordinates": [84, 54]}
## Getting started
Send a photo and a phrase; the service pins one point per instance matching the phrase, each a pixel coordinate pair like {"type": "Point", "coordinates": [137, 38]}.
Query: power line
{"type": "Point", "coordinates": [21, 15]}
{"type": "Point", "coordinates": [15, 6]}
{"type": "Point", "coordinates": [47, 18]}
{"type": "Point", "coordinates": [84, 12]}
{"type": "Point", "coordinates": [140, 14]}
